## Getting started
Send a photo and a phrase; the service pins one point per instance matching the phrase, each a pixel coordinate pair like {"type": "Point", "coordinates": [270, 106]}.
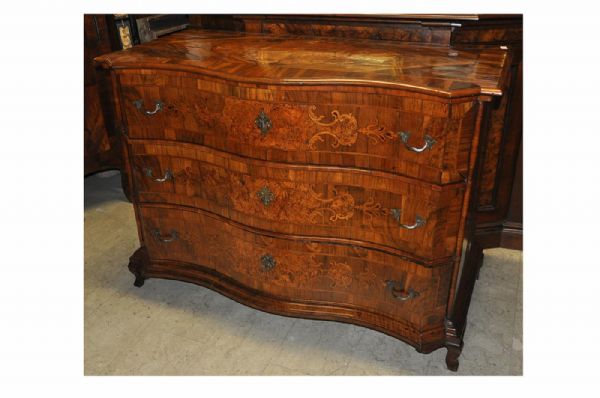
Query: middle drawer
{"type": "Point", "coordinates": [382, 210]}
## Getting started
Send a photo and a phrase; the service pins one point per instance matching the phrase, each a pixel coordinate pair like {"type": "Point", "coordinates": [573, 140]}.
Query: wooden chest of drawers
{"type": "Point", "coordinates": [312, 177]}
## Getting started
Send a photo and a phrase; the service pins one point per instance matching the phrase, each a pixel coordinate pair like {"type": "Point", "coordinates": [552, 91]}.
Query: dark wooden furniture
{"type": "Point", "coordinates": [100, 146]}
{"type": "Point", "coordinates": [151, 27]}
{"type": "Point", "coordinates": [499, 205]}
{"type": "Point", "coordinates": [314, 177]}
{"type": "Point", "coordinates": [103, 34]}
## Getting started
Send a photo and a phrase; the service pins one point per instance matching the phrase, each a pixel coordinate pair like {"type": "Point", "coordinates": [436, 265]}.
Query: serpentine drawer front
{"type": "Point", "coordinates": [381, 209]}
{"type": "Point", "coordinates": [300, 270]}
{"type": "Point", "coordinates": [321, 178]}
{"type": "Point", "coordinates": [403, 135]}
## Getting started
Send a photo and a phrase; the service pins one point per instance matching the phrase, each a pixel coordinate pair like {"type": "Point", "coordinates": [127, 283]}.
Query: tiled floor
{"type": "Point", "coordinates": [175, 328]}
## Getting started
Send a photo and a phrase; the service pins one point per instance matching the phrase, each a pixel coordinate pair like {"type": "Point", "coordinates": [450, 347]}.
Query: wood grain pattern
{"type": "Point", "coordinates": [306, 200]}
{"type": "Point", "coordinates": [451, 30]}
{"type": "Point", "coordinates": [141, 265]}
{"type": "Point", "coordinates": [500, 172]}
{"type": "Point", "coordinates": [309, 126]}
{"type": "Point", "coordinates": [507, 33]}
{"type": "Point", "coordinates": [422, 28]}
{"type": "Point", "coordinates": [271, 169]}
{"type": "Point", "coordinates": [257, 58]}
{"type": "Point", "coordinates": [497, 133]}
{"type": "Point", "coordinates": [348, 29]}
{"type": "Point", "coordinates": [305, 271]}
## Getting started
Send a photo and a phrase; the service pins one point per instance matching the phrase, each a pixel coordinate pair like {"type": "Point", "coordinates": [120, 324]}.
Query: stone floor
{"type": "Point", "coordinates": [175, 328]}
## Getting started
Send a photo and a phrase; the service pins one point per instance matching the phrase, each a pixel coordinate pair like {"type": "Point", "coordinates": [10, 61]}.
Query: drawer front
{"type": "Point", "coordinates": [403, 135]}
{"type": "Point", "coordinates": [299, 270]}
{"type": "Point", "coordinates": [387, 211]}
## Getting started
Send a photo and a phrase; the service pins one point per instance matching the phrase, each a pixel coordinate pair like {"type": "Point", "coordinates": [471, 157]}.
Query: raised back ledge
{"type": "Point", "coordinates": [448, 21]}
{"type": "Point", "coordinates": [427, 263]}
{"type": "Point", "coordinates": [390, 18]}
{"type": "Point", "coordinates": [434, 70]}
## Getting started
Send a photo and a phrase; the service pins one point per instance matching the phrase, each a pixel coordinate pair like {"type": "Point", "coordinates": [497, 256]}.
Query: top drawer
{"type": "Point", "coordinates": [416, 137]}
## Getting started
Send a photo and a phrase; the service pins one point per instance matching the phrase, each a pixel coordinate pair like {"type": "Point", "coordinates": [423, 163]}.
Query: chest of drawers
{"type": "Point", "coordinates": [312, 177]}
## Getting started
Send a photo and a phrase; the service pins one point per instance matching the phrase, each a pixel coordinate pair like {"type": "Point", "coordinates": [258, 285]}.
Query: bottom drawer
{"type": "Point", "coordinates": [299, 270]}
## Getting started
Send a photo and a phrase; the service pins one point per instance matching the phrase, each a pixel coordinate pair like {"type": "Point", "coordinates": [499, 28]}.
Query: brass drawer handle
{"type": "Point", "coordinates": [419, 221]}
{"type": "Point", "coordinates": [399, 292]}
{"type": "Point", "coordinates": [266, 196]}
{"type": "Point", "coordinates": [263, 122]}
{"type": "Point", "coordinates": [158, 106]}
{"type": "Point", "coordinates": [168, 175]}
{"type": "Point", "coordinates": [165, 239]}
{"type": "Point", "coordinates": [429, 141]}
{"type": "Point", "coordinates": [268, 262]}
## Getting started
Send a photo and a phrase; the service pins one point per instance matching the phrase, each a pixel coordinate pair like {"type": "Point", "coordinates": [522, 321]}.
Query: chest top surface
{"type": "Point", "coordinates": [294, 60]}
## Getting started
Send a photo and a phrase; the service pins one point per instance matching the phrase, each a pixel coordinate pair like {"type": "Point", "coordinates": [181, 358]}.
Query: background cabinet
{"type": "Point", "coordinates": [104, 34]}
{"type": "Point", "coordinates": [99, 146]}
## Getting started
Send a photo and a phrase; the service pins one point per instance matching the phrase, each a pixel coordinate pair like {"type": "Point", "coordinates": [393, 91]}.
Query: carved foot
{"type": "Point", "coordinates": [452, 357]}
{"type": "Point", "coordinates": [138, 263]}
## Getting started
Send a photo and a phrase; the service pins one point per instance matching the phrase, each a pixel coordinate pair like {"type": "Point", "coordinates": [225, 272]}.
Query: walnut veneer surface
{"type": "Point", "coordinates": [423, 68]}
{"type": "Point", "coordinates": [313, 177]}
{"type": "Point", "coordinates": [498, 218]}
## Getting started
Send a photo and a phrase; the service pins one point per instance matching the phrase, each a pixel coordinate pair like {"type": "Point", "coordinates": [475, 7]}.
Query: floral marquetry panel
{"type": "Point", "coordinates": [303, 127]}
{"type": "Point", "coordinates": [302, 269]}
{"type": "Point", "coordinates": [302, 201]}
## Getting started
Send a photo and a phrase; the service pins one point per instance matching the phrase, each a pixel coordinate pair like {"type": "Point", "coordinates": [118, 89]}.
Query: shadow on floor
{"type": "Point", "coordinates": [102, 187]}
